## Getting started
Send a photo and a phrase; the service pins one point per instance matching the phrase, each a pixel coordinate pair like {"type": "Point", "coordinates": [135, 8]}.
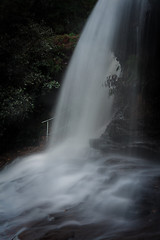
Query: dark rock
{"type": "Point", "coordinates": [122, 135]}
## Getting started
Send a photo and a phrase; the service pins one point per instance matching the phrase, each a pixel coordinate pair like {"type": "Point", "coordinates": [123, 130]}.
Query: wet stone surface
{"type": "Point", "coordinates": [66, 225]}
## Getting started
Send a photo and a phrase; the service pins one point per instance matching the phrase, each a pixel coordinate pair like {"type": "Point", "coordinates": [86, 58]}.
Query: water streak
{"type": "Point", "coordinates": [84, 105]}
{"type": "Point", "coordinates": [69, 173]}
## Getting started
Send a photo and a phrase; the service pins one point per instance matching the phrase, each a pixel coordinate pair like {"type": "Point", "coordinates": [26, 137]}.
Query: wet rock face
{"type": "Point", "coordinates": [118, 131]}
{"type": "Point", "coordinates": [127, 136]}
{"type": "Point", "coordinates": [123, 128]}
{"type": "Point", "coordinates": [147, 228]}
{"type": "Point", "coordinates": [149, 60]}
{"type": "Point", "coordinates": [146, 132]}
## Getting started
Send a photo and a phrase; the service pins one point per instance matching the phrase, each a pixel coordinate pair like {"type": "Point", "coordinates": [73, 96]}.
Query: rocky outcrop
{"type": "Point", "coordinates": [122, 135]}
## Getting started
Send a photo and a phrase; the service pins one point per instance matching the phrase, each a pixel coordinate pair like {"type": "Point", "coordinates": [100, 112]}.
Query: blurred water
{"type": "Point", "coordinates": [103, 187]}
{"type": "Point", "coordinates": [84, 105]}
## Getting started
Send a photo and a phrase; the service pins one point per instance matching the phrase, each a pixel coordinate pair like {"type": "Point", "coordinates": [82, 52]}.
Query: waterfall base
{"type": "Point", "coordinates": [109, 196]}
{"type": "Point", "coordinates": [147, 227]}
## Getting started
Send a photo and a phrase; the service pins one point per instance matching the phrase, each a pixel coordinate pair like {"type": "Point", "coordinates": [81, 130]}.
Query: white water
{"type": "Point", "coordinates": [84, 105]}
{"type": "Point", "coordinates": [71, 174]}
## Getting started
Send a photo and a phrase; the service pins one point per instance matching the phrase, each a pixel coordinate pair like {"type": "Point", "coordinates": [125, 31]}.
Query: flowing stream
{"type": "Point", "coordinates": [101, 188]}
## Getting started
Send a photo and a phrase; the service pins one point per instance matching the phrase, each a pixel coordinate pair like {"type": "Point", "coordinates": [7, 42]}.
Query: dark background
{"type": "Point", "coordinates": [37, 38]}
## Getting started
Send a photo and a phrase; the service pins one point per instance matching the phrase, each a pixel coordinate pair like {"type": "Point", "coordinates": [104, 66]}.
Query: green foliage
{"type": "Point", "coordinates": [33, 63]}
{"type": "Point", "coordinates": [65, 42]}
{"type": "Point", "coordinates": [37, 39]}
{"type": "Point", "coordinates": [50, 85]}
{"type": "Point", "coordinates": [15, 103]}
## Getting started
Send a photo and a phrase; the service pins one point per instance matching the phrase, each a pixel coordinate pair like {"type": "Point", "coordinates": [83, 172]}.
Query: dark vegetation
{"type": "Point", "coordinates": [37, 39]}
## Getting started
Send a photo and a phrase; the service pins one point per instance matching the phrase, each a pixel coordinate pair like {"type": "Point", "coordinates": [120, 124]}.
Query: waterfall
{"type": "Point", "coordinates": [69, 174]}
{"type": "Point", "coordinates": [84, 106]}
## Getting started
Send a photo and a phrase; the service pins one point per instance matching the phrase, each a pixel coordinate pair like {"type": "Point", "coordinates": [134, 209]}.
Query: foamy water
{"type": "Point", "coordinates": [103, 187]}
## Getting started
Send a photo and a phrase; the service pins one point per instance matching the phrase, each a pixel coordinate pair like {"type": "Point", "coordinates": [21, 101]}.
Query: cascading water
{"type": "Point", "coordinates": [69, 174]}
{"type": "Point", "coordinates": [84, 104]}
